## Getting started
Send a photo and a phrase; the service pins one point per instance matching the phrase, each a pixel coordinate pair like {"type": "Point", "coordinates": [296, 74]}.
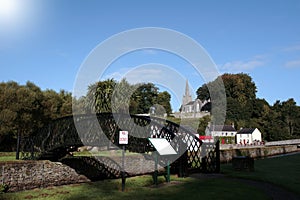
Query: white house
{"type": "Point", "coordinates": [226, 133]}
{"type": "Point", "coordinates": [248, 136]}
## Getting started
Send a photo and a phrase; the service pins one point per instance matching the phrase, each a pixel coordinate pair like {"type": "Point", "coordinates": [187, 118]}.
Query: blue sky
{"type": "Point", "coordinates": [47, 41]}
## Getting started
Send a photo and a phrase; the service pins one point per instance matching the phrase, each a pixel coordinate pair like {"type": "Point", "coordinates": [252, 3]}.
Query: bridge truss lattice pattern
{"type": "Point", "coordinates": [62, 136]}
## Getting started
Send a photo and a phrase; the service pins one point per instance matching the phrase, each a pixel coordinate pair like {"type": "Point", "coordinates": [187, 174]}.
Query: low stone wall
{"type": "Point", "coordinates": [22, 175]}
{"type": "Point", "coordinates": [283, 142]}
{"type": "Point", "coordinates": [226, 155]}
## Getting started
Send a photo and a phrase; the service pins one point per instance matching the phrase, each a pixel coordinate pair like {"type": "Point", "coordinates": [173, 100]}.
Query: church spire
{"type": "Point", "coordinates": [187, 96]}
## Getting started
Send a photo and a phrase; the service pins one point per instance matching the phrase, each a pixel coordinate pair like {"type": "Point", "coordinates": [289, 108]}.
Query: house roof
{"type": "Point", "coordinates": [222, 128]}
{"type": "Point", "coordinates": [246, 131]}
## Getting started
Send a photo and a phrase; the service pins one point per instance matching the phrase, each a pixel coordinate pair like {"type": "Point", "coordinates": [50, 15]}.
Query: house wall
{"type": "Point", "coordinates": [223, 133]}
{"type": "Point", "coordinates": [256, 135]}
{"type": "Point", "coordinates": [244, 138]}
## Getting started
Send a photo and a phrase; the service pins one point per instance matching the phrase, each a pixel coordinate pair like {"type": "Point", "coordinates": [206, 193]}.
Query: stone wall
{"type": "Point", "coordinates": [226, 155]}
{"type": "Point", "coordinates": [21, 175]}
{"type": "Point", "coordinates": [283, 142]}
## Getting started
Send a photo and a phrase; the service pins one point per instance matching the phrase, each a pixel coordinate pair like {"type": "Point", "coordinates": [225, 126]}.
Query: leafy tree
{"type": "Point", "coordinates": [57, 104]}
{"type": "Point", "coordinates": [163, 99]}
{"type": "Point", "coordinates": [144, 97]}
{"type": "Point", "coordinates": [203, 124]}
{"type": "Point", "coordinates": [25, 108]}
{"type": "Point", "coordinates": [99, 96]}
{"type": "Point", "coordinates": [112, 96]}
{"type": "Point", "coordinates": [121, 97]}
{"type": "Point", "coordinates": [277, 122]}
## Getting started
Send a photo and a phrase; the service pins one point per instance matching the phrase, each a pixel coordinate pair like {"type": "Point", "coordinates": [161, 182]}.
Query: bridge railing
{"type": "Point", "coordinates": [61, 136]}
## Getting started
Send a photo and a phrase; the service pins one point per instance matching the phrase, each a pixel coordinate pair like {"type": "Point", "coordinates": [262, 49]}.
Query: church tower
{"type": "Point", "coordinates": [187, 96]}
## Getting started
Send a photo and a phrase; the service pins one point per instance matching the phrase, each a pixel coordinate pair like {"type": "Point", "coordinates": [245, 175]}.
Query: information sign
{"type": "Point", "coordinates": [123, 137]}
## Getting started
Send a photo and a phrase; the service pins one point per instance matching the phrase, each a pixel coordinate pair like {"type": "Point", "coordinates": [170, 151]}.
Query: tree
{"type": "Point", "coordinates": [289, 115]}
{"type": "Point", "coordinates": [112, 96]}
{"type": "Point", "coordinates": [144, 97]}
{"type": "Point", "coordinates": [26, 108]}
{"type": "Point", "coordinates": [121, 96]}
{"type": "Point", "coordinates": [240, 95]}
{"type": "Point", "coordinates": [163, 99]}
{"type": "Point", "coordinates": [99, 95]}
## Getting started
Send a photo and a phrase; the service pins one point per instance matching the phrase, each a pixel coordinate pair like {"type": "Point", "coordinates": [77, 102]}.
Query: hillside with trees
{"type": "Point", "coordinates": [277, 122]}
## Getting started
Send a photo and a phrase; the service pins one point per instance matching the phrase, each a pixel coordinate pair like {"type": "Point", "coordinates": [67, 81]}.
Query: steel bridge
{"type": "Point", "coordinates": [60, 137]}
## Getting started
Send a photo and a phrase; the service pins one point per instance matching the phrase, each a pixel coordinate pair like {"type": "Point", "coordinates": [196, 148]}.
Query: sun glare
{"type": "Point", "coordinates": [8, 9]}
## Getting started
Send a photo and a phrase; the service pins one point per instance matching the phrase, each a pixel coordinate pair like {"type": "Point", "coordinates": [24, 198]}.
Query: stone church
{"type": "Point", "coordinates": [191, 108]}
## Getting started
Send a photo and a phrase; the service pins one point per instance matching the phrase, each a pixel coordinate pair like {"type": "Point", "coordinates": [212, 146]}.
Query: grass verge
{"type": "Point", "coordinates": [7, 156]}
{"type": "Point", "coordinates": [141, 188]}
{"type": "Point", "coordinates": [282, 171]}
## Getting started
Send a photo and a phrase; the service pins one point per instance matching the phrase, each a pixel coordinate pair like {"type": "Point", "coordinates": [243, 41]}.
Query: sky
{"type": "Point", "coordinates": [47, 42]}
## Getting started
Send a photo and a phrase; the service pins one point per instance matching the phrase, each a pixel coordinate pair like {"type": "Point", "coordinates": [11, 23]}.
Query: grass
{"type": "Point", "coordinates": [141, 188]}
{"type": "Point", "coordinates": [109, 153]}
{"type": "Point", "coordinates": [7, 156]}
{"type": "Point", "coordinates": [282, 171]}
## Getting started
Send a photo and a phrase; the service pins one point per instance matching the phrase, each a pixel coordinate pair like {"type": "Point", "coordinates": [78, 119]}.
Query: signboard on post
{"type": "Point", "coordinates": [164, 148]}
{"type": "Point", "coordinates": [123, 137]}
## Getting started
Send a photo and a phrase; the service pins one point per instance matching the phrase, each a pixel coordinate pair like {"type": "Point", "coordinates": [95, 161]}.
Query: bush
{"type": "Point", "coordinates": [3, 188]}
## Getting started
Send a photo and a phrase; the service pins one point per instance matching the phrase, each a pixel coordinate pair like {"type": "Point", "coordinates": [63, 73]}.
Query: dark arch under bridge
{"type": "Point", "coordinates": [61, 136]}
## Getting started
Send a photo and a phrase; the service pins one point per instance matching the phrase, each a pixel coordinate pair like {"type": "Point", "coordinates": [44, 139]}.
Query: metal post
{"type": "Point", "coordinates": [18, 146]}
{"type": "Point", "coordinates": [156, 168]}
{"type": "Point", "coordinates": [123, 169]}
{"type": "Point", "coordinates": [168, 172]}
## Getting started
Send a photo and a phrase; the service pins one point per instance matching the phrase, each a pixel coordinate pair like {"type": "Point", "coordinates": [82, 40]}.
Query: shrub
{"type": "Point", "coordinates": [3, 188]}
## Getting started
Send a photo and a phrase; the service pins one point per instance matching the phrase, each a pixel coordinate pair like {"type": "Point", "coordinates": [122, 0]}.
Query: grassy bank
{"type": "Point", "coordinates": [142, 188]}
{"type": "Point", "coordinates": [7, 156]}
{"type": "Point", "coordinates": [282, 171]}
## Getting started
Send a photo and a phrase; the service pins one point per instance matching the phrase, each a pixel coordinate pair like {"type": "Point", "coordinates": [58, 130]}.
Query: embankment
{"type": "Point", "coordinates": [22, 175]}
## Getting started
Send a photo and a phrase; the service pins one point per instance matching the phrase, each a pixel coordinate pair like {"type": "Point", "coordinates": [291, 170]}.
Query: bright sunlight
{"type": "Point", "coordinates": [9, 10]}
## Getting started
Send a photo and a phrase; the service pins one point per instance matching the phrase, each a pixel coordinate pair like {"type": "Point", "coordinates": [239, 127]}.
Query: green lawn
{"type": "Point", "coordinates": [141, 188]}
{"type": "Point", "coordinates": [282, 171]}
{"type": "Point", "coordinates": [7, 156]}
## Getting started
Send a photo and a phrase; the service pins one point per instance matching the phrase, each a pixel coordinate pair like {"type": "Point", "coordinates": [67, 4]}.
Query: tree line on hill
{"type": "Point", "coordinates": [279, 121]}
{"type": "Point", "coordinates": [25, 108]}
